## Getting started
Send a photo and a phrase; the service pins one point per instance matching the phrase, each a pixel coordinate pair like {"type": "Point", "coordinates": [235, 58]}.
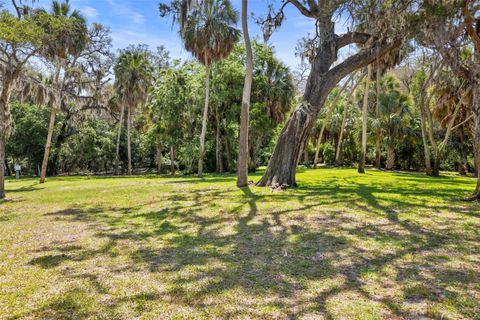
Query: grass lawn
{"type": "Point", "coordinates": [341, 246]}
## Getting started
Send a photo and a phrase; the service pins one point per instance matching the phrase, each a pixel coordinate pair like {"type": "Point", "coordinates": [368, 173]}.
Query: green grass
{"type": "Point", "coordinates": [341, 246]}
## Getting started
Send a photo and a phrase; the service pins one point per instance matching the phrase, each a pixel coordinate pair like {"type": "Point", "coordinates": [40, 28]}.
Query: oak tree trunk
{"type": "Point", "coordinates": [204, 121]}
{"type": "Point", "coordinates": [242, 165]}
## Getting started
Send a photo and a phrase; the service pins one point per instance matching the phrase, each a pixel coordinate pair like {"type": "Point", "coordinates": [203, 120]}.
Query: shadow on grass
{"type": "Point", "coordinates": [276, 256]}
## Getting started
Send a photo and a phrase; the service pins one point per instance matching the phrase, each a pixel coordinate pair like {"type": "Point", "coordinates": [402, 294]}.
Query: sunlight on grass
{"type": "Point", "coordinates": [341, 246]}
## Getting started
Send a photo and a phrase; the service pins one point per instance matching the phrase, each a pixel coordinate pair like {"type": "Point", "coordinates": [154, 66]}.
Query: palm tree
{"type": "Point", "coordinates": [62, 51]}
{"type": "Point", "coordinates": [208, 32]}
{"type": "Point", "coordinates": [242, 167]}
{"type": "Point", "coordinates": [133, 77]}
{"type": "Point", "coordinates": [393, 109]}
{"type": "Point", "coordinates": [363, 151]}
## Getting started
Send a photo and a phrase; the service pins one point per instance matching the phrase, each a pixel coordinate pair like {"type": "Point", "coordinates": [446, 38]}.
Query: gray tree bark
{"type": "Point", "coordinates": [378, 136]}
{"type": "Point", "coordinates": [204, 122]}
{"type": "Point", "coordinates": [129, 146]}
{"type": "Point", "coordinates": [242, 165]}
{"type": "Point", "coordinates": [117, 153]}
{"type": "Point", "coordinates": [363, 151]}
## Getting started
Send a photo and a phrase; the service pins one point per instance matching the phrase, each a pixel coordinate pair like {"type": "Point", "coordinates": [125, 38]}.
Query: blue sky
{"type": "Point", "coordinates": [138, 22]}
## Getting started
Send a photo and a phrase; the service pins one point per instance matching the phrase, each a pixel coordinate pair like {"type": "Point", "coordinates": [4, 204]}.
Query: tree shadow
{"type": "Point", "coordinates": [303, 253]}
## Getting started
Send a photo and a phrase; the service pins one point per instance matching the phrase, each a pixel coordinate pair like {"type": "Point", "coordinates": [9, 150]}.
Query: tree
{"type": "Point", "coordinates": [22, 36]}
{"type": "Point", "coordinates": [167, 110]}
{"type": "Point", "coordinates": [62, 51]}
{"type": "Point", "coordinates": [242, 166]}
{"type": "Point", "coordinates": [208, 32]}
{"type": "Point", "coordinates": [339, 152]}
{"type": "Point", "coordinates": [393, 109]}
{"type": "Point", "coordinates": [363, 151]}
{"type": "Point", "coordinates": [133, 77]}
{"type": "Point", "coordinates": [381, 38]}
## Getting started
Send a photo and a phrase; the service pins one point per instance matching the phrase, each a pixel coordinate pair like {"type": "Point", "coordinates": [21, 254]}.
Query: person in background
{"type": "Point", "coordinates": [17, 170]}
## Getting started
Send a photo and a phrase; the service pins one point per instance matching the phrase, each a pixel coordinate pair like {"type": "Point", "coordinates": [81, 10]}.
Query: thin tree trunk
{"type": "Point", "coordinates": [228, 155]}
{"type": "Point", "coordinates": [327, 119]}
{"type": "Point", "coordinates": [51, 125]}
{"type": "Point", "coordinates": [159, 157]}
{"type": "Point", "coordinates": [435, 150]}
{"type": "Point", "coordinates": [390, 157]}
{"type": "Point", "coordinates": [339, 152]}
{"type": "Point", "coordinates": [204, 122]}
{"type": "Point", "coordinates": [378, 137]}
{"type": "Point", "coordinates": [172, 160]}
{"type": "Point", "coordinates": [218, 149]}
{"type": "Point", "coordinates": [117, 154]}
{"type": "Point", "coordinates": [305, 154]}
{"type": "Point", "coordinates": [426, 149]}
{"type": "Point", "coordinates": [363, 151]}
{"type": "Point", "coordinates": [129, 147]}
{"type": "Point", "coordinates": [48, 144]}
{"type": "Point", "coordinates": [242, 166]}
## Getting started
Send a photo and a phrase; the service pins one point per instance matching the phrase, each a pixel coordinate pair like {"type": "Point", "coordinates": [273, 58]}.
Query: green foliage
{"type": "Point", "coordinates": [27, 142]}
{"type": "Point", "coordinates": [329, 153]}
{"type": "Point", "coordinates": [91, 148]}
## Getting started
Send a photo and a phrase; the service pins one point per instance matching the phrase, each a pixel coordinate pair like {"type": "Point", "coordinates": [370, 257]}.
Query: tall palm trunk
{"type": "Point", "coordinates": [51, 125]}
{"type": "Point", "coordinates": [390, 157]}
{"type": "Point", "coordinates": [378, 145]}
{"type": "Point", "coordinates": [48, 144]}
{"type": "Point", "coordinates": [363, 152]}
{"type": "Point", "coordinates": [204, 121]}
{"type": "Point", "coordinates": [129, 146]}
{"type": "Point", "coordinates": [120, 124]}
{"type": "Point", "coordinates": [218, 148]}
{"type": "Point", "coordinates": [339, 153]}
{"type": "Point", "coordinates": [242, 166]}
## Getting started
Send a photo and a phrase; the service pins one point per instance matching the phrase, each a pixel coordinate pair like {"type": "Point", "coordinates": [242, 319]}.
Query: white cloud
{"type": "Point", "coordinates": [138, 18]}
{"type": "Point", "coordinates": [89, 12]}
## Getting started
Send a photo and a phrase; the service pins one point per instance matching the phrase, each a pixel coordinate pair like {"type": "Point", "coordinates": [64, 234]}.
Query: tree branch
{"type": "Point", "coordinates": [352, 37]}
